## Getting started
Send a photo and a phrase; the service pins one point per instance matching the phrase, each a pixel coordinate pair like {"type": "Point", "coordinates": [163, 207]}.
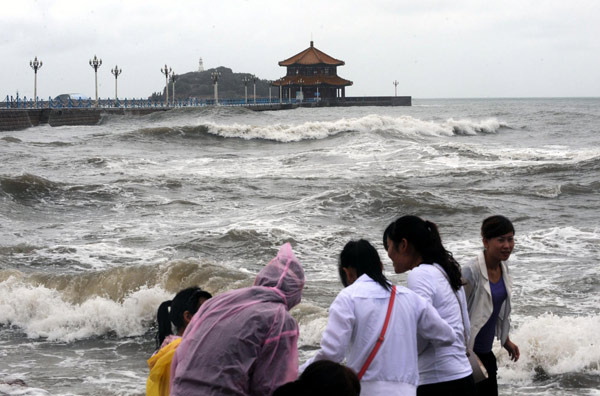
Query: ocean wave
{"type": "Point", "coordinates": [404, 126]}
{"type": "Point", "coordinates": [552, 345]}
{"type": "Point", "coordinates": [120, 301]}
{"type": "Point", "coordinates": [27, 186]}
{"type": "Point", "coordinates": [11, 139]}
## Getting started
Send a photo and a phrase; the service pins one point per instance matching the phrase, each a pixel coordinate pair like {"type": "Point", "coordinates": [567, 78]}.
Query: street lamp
{"type": "Point", "coordinates": [174, 78]}
{"type": "Point", "coordinates": [116, 72]}
{"type": "Point", "coordinates": [300, 82]}
{"type": "Point", "coordinates": [35, 65]}
{"type": "Point", "coordinates": [96, 63]}
{"type": "Point", "coordinates": [269, 82]}
{"type": "Point", "coordinates": [246, 80]}
{"type": "Point", "coordinates": [254, 78]}
{"type": "Point", "coordinates": [166, 71]}
{"type": "Point", "coordinates": [396, 87]}
{"type": "Point", "coordinates": [215, 77]}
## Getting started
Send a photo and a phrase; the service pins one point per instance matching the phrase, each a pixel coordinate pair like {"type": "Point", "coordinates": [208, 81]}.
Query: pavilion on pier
{"type": "Point", "coordinates": [312, 74]}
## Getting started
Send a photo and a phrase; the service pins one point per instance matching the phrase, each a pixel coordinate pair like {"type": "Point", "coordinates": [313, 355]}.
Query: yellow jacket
{"type": "Point", "coordinates": [160, 370]}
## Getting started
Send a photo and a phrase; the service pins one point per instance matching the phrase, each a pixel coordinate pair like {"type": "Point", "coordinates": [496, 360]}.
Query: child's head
{"type": "Point", "coordinates": [323, 378]}
{"type": "Point", "coordinates": [182, 308]}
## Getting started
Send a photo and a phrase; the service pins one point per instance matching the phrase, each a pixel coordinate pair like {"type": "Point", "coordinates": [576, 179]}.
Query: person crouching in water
{"type": "Point", "coordinates": [244, 342]}
{"type": "Point", "coordinates": [358, 315]}
{"type": "Point", "coordinates": [182, 308]}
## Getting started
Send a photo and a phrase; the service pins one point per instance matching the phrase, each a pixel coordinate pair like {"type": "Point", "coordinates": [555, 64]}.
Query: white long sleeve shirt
{"type": "Point", "coordinates": [441, 363]}
{"type": "Point", "coordinates": [356, 318]}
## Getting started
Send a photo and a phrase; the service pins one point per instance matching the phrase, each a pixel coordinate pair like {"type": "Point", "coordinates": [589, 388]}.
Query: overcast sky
{"type": "Point", "coordinates": [433, 48]}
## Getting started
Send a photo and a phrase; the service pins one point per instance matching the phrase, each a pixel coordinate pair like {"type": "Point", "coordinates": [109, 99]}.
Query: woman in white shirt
{"type": "Point", "coordinates": [415, 245]}
{"type": "Point", "coordinates": [356, 319]}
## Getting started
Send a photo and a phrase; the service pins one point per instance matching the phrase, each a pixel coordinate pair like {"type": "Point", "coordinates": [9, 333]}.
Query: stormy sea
{"type": "Point", "coordinates": [100, 224]}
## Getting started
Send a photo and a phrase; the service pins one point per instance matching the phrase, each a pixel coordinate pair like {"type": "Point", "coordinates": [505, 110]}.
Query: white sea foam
{"type": "Point", "coordinates": [404, 125]}
{"type": "Point", "coordinates": [554, 344]}
{"type": "Point", "coordinates": [43, 312]}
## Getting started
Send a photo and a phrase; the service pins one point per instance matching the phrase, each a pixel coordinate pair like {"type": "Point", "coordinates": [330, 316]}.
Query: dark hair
{"type": "Point", "coordinates": [363, 257]}
{"type": "Point", "coordinates": [495, 226]}
{"type": "Point", "coordinates": [323, 378]}
{"type": "Point", "coordinates": [425, 238]}
{"type": "Point", "coordinates": [186, 300]}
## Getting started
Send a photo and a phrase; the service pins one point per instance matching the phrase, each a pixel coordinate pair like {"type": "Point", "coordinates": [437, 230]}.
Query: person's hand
{"type": "Point", "coordinates": [512, 349]}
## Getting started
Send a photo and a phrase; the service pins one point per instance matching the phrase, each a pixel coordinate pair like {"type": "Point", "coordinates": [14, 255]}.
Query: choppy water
{"type": "Point", "coordinates": [99, 224]}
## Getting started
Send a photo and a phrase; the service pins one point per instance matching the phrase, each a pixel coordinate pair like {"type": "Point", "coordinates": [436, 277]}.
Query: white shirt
{"type": "Point", "coordinates": [441, 363]}
{"type": "Point", "coordinates": [356, 318]}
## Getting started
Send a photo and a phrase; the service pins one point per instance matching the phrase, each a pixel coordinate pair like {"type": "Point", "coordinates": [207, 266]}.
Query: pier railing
{"type": "Point", "coordinates": [25, 103]}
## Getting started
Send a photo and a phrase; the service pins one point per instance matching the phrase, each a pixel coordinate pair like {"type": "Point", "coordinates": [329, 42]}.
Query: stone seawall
{"type": "Point", "coordinates": [17, 119]}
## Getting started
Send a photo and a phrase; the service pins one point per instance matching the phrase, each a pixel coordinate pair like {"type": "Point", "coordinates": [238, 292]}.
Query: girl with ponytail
{"type": "Point", "coordinates": [415, 245]}
{"type": "Point", "coordinates": [172, 314]}
{"type": "Point", "coordinates": [373, 326]}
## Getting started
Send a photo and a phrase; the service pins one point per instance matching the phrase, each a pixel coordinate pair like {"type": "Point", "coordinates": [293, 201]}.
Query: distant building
{"type": "Point", "coordinates": [200, 65]}
{"type": "Point", "coordinates": [312, 73]}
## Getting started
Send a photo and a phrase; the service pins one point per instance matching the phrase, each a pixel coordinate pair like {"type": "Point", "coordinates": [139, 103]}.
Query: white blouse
{"type": "Point", "coordinates": [356, 318]}
{"type": "Point", "coordinates": [441, 363]}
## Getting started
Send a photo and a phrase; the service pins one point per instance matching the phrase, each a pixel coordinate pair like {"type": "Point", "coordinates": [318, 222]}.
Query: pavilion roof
{"type": "Point", "coordinates": [312, 80]}
{"type": "Point", "coordinates": [311, 56]}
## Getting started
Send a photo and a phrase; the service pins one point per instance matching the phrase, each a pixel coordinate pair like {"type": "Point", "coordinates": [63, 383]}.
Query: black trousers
{"type": "Point", "coordinates": [489, 386]}
{"type": "Point", "coordinates": [460, 387]}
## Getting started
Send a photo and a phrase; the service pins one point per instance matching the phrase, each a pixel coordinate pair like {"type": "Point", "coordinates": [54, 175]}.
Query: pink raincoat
{"type": "Point", "coordinates": [243, 342]}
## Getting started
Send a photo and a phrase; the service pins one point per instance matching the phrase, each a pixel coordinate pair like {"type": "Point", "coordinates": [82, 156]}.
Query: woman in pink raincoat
{"type": "Point", "coordinates": [243, 342]}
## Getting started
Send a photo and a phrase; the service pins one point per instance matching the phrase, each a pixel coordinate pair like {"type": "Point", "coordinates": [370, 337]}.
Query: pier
{"type": "Point", "coordinates": [17, 115]}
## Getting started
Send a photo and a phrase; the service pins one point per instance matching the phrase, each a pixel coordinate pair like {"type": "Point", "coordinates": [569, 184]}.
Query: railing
{"type": "Point", "coordinates": [24, 103]}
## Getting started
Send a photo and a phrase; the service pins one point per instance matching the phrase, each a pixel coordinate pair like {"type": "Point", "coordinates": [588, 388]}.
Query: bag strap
{"type": "Point", "coordinates": [381, 336]}
{"type": "Point", "coordinates": [462, 315]}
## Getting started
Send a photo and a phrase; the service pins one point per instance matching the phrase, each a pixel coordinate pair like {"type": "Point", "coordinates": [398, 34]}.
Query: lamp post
{"type": "Point", "coordinates": [269, 82]}
{"type": "Point", "coordinates": [35, 65]}
{"type": "Point", "coordinates": [215, 77]}
{"type": "Point", "coordinates": [246, 80]}
{"type": "Point", "coordinates": [116, 72]}
{"type": "Point", "coordinates": [396, 87]}
{"type": "Point", "coordinates": [174, 78]}
{"type": "Point", "coordinates": [254, 78]}
{"type": "Point", "coordinates": [166, 71]}
{"type": "Point", "coordinates": [96, 63]}
{"type": "Point", "coordinates": [300, 82]}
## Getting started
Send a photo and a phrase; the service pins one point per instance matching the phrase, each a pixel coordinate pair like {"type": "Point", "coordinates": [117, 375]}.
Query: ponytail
{"type": "Point", "coordinates": [186, 300]}
{"type": "Point", "coordinates": [163, 321]}
{"type": "Point", "coordinates": [425, 238]}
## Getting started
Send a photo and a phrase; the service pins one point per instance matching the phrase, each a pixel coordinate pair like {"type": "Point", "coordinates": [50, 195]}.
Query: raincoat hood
{"type": "Point", "coordinates": [285, 275]}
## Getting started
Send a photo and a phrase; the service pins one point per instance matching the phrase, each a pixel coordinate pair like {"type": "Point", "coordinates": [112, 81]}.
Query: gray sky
{"type": "Point", "coordinates": [434, 48]}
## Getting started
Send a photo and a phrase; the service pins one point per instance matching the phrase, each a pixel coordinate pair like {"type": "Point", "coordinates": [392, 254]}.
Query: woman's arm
{"type": "Point", "coordinates": [512, 349]}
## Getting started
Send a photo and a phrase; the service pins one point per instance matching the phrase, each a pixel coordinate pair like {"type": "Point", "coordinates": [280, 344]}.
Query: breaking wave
{"type": "Point", "coordinates": [404, 126]}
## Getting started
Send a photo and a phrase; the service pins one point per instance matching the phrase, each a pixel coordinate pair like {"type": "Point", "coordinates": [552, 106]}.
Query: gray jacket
{"type": "Point", "coordinates": [479, 298]}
